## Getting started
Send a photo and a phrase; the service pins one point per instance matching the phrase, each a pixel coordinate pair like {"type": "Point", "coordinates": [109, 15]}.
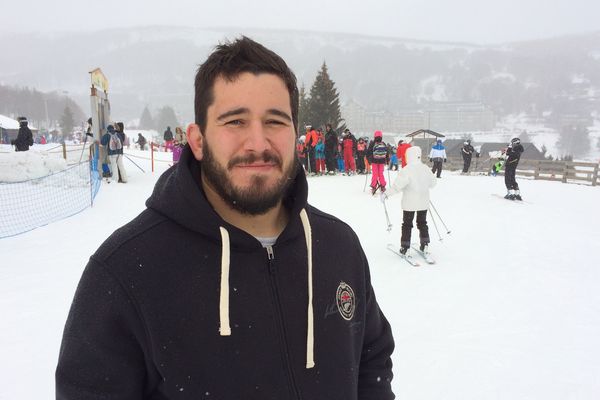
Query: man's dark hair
{"type": "Point", "coordinates": [231, 59]}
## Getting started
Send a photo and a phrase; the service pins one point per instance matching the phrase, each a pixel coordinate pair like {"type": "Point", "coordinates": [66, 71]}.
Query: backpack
{"type": "Point", "coordinates": [114, 143]}
{"type": "Point", "coordinates": [379, 151]}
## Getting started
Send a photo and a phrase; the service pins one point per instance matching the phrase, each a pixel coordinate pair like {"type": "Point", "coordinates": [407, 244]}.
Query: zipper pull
{"type": "Point", "coordinates": [271, 257]}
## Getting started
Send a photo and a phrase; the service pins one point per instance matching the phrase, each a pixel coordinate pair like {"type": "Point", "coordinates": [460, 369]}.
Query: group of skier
{"type": "Point", "coordinates": [415, 179]}
{"type": "Point", "coordinates": [328, 153]}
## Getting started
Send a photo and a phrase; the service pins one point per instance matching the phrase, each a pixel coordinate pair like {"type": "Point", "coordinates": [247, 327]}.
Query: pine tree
{"type": "Point", "coordinates": [146, 120]}
{"type": "Point", "coordinates": [166, 117]}
{"type": "Point", "coordinates": [67, 122]}
{"type": "Point", "coordinates": [324, 102]}
{"type": "Point", "coordinates": [303, 110]}
{"type": "Point", "coordinates": [574, 141]}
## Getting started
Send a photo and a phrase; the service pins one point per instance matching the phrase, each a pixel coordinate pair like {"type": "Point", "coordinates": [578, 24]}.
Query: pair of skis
{"type": "Point", "coordinates": [511, 200]}
{"type": "Point", "coordinates": [410, 259]}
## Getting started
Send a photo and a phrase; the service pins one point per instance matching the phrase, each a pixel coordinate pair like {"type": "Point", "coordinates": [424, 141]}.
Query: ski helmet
{"type": "Point", "coordinates": [514, 141]}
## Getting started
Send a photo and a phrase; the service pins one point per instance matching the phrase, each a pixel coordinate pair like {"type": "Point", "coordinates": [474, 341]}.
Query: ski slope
{"type": "Point", "coordinates": [511, 310]}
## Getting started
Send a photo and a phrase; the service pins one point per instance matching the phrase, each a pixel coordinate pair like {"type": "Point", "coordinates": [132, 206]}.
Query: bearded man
{"type": "Point", "coordinates": [258, 295]}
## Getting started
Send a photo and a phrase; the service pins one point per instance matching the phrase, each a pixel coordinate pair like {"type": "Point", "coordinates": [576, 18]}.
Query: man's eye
{"type": "Point", "coordinates": [234, 122]}
{"type": "Point", "coordinates": [275, 122]}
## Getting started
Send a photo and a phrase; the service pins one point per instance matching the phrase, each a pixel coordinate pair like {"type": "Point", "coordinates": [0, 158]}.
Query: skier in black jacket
{"type": "Point", "coordinates": [513, 155]}
{"type": "Point", "coordinates": [24, 137]}
{"type": "Point", "coordinates": [467, 154]}
{"type": "Point", "coordinates": [258, 295]}
{"type": "Point", "coordinates": [331, 149]}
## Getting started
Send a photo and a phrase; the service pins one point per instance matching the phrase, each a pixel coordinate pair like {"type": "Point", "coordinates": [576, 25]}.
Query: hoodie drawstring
{"type": "Point", "coordinates": [224, 327]}
{"type": "Point", "coordinates": [310, 334]}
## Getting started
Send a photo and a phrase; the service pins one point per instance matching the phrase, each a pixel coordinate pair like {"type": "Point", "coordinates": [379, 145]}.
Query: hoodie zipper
{"type": "Point", "coordinates": [279, 315]}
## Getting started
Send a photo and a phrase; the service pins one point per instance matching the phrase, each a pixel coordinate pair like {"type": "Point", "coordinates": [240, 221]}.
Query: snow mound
{"type": "Point", "coordinates": [26, 165]}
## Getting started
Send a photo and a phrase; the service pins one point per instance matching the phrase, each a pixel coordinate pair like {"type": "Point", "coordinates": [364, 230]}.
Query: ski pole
{"type": "Point", "coordinates": [435, 225]}
{"type": "Point", "coordinates": [134, 163]}
{"type": "Point", "coordinates": [439, 216]}
{"type": "Point", "coordinates": [387, 218]}
{"type": "Point", "coordinates": [366, 178]}
{"type": "Point", "coordinates": [83, 148]}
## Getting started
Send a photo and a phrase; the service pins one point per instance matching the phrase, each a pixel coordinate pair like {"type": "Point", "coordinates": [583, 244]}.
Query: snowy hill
{"type": "Point", "coordinates": [155, 66]}
{"type": "Point", "coordinates": [509, 312]}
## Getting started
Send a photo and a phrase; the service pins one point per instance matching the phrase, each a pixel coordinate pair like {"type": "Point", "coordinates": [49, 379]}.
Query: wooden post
{"type": "Point", "coordinates": [536, 174]}
{"type": "Point", "coordinates": [595, 176]}
{"type": "Point", "coordinates": [152, 154]}
{"type": "Point", "coordinates": [64, 148]}
{"type": "Point", "coordinates": [565, 171]}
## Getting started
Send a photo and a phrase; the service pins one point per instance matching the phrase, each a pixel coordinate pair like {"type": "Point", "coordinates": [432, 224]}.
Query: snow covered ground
{"type": "Point", "coordinates": [511, 310]}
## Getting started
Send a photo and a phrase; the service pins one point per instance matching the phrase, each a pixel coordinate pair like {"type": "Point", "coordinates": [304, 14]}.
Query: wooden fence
{"type": "Point", "coordinates": [563, 171]}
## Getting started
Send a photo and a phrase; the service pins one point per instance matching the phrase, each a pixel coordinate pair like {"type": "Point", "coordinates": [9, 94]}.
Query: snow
{"type": "Point", "coordinates": [25, 165]}
{"type": "Point", "coordinates": [510, 311]}
{"type": "Point", "coordinates": [8, 123]}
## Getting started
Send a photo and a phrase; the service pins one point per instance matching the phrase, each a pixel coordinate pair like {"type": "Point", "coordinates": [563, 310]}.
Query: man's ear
{"type": "Point", "coordinates": [195, 140]}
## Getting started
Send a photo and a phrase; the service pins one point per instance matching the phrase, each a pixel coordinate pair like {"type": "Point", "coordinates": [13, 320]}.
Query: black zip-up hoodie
{"type": "Point", "coordinates": [178, 304]}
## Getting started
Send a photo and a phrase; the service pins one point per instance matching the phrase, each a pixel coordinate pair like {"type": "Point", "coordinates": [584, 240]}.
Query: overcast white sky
{"type": "Point", "coordinates": [477, 21]}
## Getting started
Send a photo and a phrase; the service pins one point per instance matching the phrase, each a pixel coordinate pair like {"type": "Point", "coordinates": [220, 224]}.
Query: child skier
{"type": "Point", "coordinates": [361, 148]}
{"type": "Point", "coordinates": [320, 156]}
{"type": "Point", "coordinates": [377, 155]}
{"type": "Point", "coordinates": [301, 153]}
{"type": "Point", "coordinates": [414, 181]}
{"type": "Point", "coordinates": [393, 161]}
{"type": "Point", "coordinates": [497, 167]}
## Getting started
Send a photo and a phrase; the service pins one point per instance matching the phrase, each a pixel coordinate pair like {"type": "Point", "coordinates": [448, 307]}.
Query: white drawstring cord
{"type": "Point", "coordinates": [224, 327]}
{"type": "Point", "coordinates": [310, 335]}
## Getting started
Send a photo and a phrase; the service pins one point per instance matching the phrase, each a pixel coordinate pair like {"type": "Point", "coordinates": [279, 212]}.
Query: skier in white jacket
{"type": "Point", "coordinates": [414, 181]}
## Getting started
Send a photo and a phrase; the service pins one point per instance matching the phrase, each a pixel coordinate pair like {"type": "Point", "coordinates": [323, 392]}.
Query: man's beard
{"type": "Point", "coordinates": [256, 199]}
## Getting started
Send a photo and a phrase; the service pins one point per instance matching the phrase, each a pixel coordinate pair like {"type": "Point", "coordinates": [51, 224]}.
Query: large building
{"type": "Point", "coordinates": [443, 117]}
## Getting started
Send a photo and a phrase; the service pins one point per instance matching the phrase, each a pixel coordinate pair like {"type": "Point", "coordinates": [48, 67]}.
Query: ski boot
{"type": "Point", "coordinates": [518, 195]}
{"type": "Point", "coordinates": [374, 190]}
{"type": "Point", "coordinates": [403, 250]}
{"type": "Point", "coordinates": [510, 195]}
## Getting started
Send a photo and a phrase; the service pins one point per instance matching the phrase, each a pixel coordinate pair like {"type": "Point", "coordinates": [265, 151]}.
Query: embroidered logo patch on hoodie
{"type": "Point", "coordinates": [346, 301]}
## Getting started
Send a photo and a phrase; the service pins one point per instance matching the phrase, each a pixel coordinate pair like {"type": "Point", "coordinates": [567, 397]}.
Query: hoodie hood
{"type": "Point", "coordinates": [413, 155]}
{"type": "Point", "coordinates": [178, 195]}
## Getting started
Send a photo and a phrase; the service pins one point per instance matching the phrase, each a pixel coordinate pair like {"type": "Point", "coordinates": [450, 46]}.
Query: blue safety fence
{"type": "Point", "coordinates": [29, 204]}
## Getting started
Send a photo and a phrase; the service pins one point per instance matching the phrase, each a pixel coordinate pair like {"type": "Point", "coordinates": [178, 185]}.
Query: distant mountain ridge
{"type": "Point", "coordinates": [155, 66]}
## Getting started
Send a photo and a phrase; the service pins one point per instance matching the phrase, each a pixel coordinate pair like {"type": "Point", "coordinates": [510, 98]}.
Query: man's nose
{"type": "Point", "coordinates": [256, 138]}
